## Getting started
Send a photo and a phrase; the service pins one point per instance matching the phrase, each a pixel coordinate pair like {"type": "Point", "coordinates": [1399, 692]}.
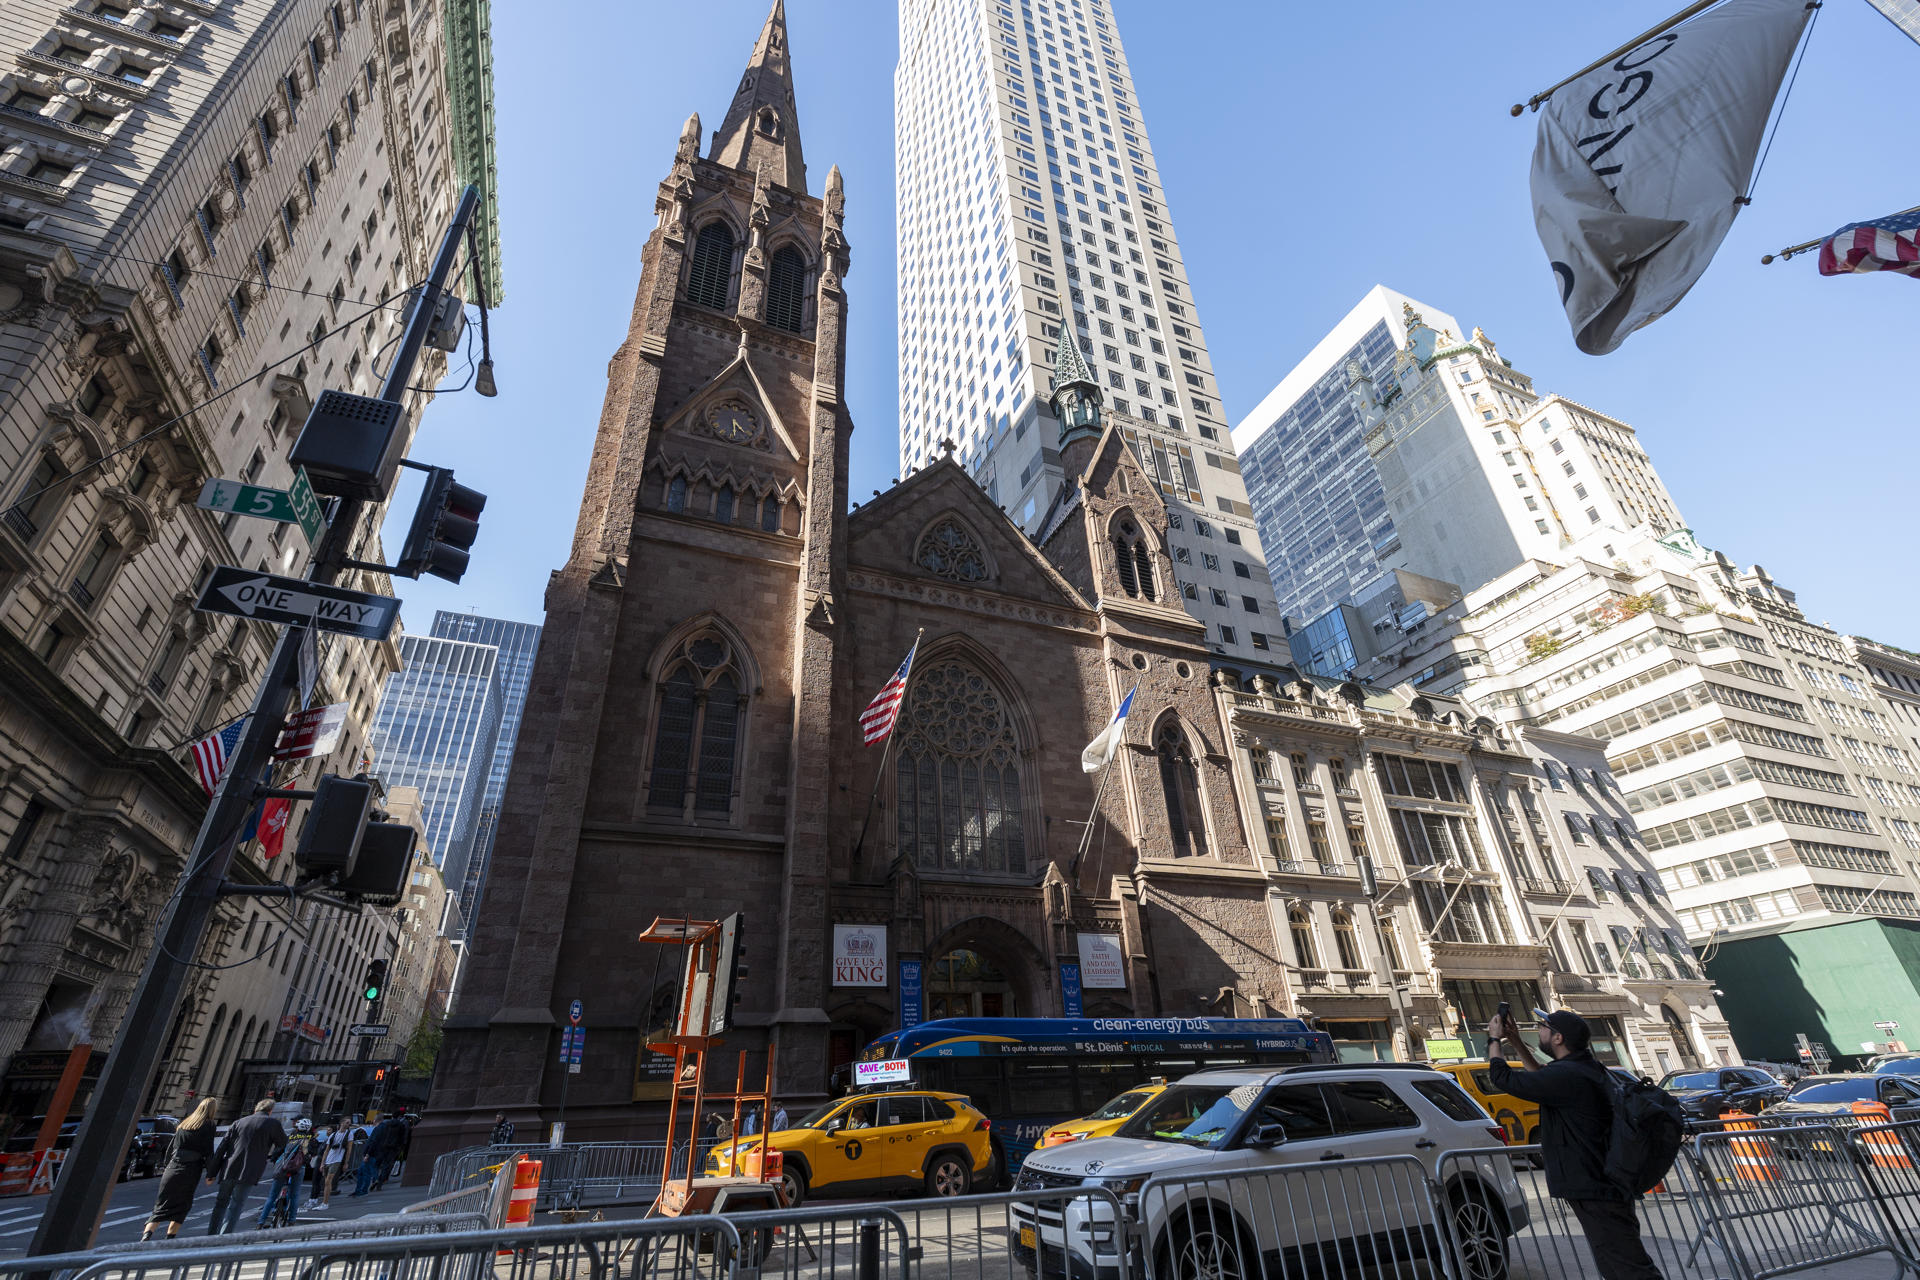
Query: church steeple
{"type": "Point", "coordinates": [1076, 402]}
{"type": "Point", "coordinates": [761, 133]}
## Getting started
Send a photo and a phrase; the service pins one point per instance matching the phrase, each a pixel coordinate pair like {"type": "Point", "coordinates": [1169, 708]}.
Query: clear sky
{"type": "Point", "coordinates": [1308, 153]}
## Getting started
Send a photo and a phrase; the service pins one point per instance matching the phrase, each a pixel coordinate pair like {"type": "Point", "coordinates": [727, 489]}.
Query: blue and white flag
{"type": "Point", "coordinates": [1101, 749]}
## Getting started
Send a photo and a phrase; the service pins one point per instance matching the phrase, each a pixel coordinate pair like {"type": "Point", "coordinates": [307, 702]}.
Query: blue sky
{"type": "Point", "coordinates": [1308, 153]}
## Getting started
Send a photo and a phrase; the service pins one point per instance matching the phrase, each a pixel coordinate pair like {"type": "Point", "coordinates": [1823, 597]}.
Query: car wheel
{"type": "Point", "coordinates": [948, 1176]}
{"type": "Point", "coordinates": [1480, 1235]}
{"type": "Point", "coordinates": [1208, 1252]}
{"type": "Point", "coordinates": [794, 1184]}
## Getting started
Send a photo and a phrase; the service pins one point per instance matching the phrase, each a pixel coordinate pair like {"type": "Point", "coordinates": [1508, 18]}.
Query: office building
{"type": "Point", "coordinates": [1029, 199]}
{"type": "Point", "coordinates": [436, 729]}
{"type": "Point", "coordinates": [190, 193]}
{"type": "Point", "coordinates": [1397, 443]}
{"type": "Point", "coordinates": [517, 643]}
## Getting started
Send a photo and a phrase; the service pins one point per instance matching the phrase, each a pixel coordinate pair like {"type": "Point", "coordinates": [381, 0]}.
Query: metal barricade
{"type": "Point", "coordinates": [1888, 1157]}
{"type": "Point", "coordinates": [822, 1242]}
{"type": "Point", "coordinates": [1046, 1234]}
{"type": "Point", "coordinates": [572, 1174]}
{"type": "Point", "coordinates": [1548, 1241]}
{"type": "Point", "coordinates": [1380, 1216]}
{"type": "Point", "coordinates": [1785, 1198]}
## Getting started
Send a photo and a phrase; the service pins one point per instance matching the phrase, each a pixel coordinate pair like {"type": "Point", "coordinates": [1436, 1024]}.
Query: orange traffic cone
{"type": "Point", "coordinates": [1753, 1159]}
{"type": "Point", "coordinates": [526, 1190]}
{"type": "Point", "coordinates": [1882, 1147]}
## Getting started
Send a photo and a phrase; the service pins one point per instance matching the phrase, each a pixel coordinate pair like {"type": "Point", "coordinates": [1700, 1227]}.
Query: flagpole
{"type": "Point", "coordinates": [885, 751]}
{"type": "Point", "coordinates": [1086, 835]}
{"type": "Point", "coordinates": [1701, 6]}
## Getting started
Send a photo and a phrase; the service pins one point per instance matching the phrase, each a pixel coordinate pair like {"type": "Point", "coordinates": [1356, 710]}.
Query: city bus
{"type": "Point", "coordinates": [1029, 1074]}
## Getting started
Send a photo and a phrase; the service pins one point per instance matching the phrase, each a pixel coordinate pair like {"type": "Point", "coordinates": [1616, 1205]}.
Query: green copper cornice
{"type": "Point", "coordinates": [470, 104]}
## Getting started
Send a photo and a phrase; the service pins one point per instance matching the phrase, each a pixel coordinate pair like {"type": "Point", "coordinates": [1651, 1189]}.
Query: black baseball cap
{"type": "Point", "coordinates": [1572, 1028]}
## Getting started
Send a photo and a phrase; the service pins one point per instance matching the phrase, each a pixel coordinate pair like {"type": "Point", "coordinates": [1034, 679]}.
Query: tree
{"type": "Point", "coordinates": [423, 1049]}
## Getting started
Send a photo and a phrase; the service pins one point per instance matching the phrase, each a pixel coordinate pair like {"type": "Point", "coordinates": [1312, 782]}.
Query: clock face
{"type": "Point", "coordinates": [733, 423]}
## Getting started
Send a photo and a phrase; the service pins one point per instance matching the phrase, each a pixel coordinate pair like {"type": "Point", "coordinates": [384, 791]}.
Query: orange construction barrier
{"type": "Point", "coordinates": [1753, 1159]}
{"type": "Point", "coordinates": [526, 1189]}
{"type": "Point", "coordinates": [1884, 1148]}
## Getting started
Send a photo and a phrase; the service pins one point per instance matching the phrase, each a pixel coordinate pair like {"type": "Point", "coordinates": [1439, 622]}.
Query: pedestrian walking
{"type": "Point", "coordinates": [239, 1160]}
{"type": "Point", "coordinates": [1576, 1119]}
{"type": "Point", "coordinates": [333, 1158]}
{"type": "Point", "coordinates": [373, 1162]}
{"type": "Point", "coordinates": [398, 1144]}
{"type": "Point", "coordinates": [502, 1129]}
{"type": "Point", "coordinates": [779, 1117]}
{"type": "Point", "coordinates": [288, 1170]}
{"type": "Point", "coordinates": [187, 1157]}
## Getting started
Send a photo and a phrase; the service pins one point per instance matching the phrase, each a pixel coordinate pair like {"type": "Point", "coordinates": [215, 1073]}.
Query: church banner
{"type": "Point", "coordinates": [1103, 962]}
{"type": "Point", "coordinates": [1070, 989]}
{"type": "Point", "coordinates": [911, 1010]}
{"type": "Point", "coordinates": [859, 955]}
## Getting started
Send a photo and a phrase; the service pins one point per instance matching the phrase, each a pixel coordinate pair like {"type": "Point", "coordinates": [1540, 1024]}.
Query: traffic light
{"type": "Point", "coordinates": [730, 954]}
{"type": "Point", "coordinates": [376, 980]}
{"type": "Point", "coordinates": [444, 526]}
{"type": "Point", "coordinates": [379, 874]}
{"type": "Point", "coordinates": [330, 842]}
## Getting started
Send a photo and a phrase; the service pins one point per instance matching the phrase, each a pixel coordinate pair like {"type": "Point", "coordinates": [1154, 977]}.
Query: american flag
{"type": "Point", "coordinates": [1891, 243]}
{"type": "Point", "coordinates": [877, 721]}
{"type": "Point", "coordinates": [210, 753]}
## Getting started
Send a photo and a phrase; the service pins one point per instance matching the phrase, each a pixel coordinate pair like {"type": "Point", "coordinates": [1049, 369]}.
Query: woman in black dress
{"type": "Point", "coordinates": [186, 1165]}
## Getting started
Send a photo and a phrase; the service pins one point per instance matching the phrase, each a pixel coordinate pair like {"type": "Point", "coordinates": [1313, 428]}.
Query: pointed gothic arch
{"type": "Point", "coordinates": [711, 262]}
{"type": "Point", "coordinates": [705, 678]}
{"type": "Point", "coordinates": [949, 546]}
{"type": "Point", "coordinates": [1134, 550]}
{"type": "Point", "coordinates": [965, 795]}
{"type": "Point", "coordinates": [1181, 789]}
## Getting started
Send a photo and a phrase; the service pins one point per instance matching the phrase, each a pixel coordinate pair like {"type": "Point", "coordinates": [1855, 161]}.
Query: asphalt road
{"type": "Point", "coordinates": [132, 1203]}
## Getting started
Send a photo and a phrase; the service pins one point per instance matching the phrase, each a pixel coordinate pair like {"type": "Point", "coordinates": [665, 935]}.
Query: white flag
{"type": "Point", "coordinates": [1101, 749]}
{"type": "Point", "coordinates": [1639, 162]}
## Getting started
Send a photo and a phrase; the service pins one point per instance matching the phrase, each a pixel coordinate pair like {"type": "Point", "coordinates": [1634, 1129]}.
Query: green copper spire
{"type": "Point", "coordinates": [1076, 395]}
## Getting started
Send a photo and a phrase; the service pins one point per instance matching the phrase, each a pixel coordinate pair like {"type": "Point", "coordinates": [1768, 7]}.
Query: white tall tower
{"type": "Point", "coordinates": [1029, 197]}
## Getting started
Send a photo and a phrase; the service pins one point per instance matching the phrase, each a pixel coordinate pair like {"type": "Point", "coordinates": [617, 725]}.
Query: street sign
{"type": "Point", "coordinates": [294, 505]}
{"type": "Point", "coordinates": [374, 1029]}
{"type": "Point", "coordinates": [243, 593]}
{"type": "Point", "coordinates": [1888, 1025]}
{"type": "Point", "coordinates": [574, 1012]}
{"type": "Point", "coordinates": [313, 732]}
{"type": "Point", "coordinates": [309, 663]}
{"type": "Point", "coordinates": [573, 1042]}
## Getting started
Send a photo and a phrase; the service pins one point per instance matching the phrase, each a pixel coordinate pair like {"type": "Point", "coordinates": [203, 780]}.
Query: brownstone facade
{"type": "Point", "coordinates": [692, 747]}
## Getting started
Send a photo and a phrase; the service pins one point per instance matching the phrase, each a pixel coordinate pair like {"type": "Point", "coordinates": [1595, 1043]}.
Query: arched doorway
{"type": "Point", "coordinates": [1682, 1040]}
{"type": "Point", "coordinates": [965, 983]}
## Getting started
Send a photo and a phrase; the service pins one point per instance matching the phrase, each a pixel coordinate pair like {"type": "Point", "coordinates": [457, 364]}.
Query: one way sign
{"type": "Point", "coordinates": [266, 598]}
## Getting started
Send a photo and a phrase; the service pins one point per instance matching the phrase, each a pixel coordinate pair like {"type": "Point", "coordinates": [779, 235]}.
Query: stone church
{"type": "Point", "coordinates": [692, 744]}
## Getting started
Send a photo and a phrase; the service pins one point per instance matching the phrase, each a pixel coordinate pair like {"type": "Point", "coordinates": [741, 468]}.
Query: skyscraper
{"type": "Point", "coordinates": [517, 643]}
{"type": "Point", "coordinates": [436, 729]}
{"type": "Point", "coordinates": [1029, 197]}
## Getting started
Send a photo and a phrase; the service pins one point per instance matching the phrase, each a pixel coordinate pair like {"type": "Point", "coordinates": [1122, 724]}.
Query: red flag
{"type": "Point", "coordinates": [273, 825]}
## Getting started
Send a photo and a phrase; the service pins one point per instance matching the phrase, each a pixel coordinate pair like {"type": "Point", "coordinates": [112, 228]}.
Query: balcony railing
{"type": "Point", "coordinates": [1548, 888]}
{"type": "Point", "coordinates": [81, 593]}
{"type": "Point", "coordinates": [157, 685]}
{"type": "Point", "coordinates": [20, 522]}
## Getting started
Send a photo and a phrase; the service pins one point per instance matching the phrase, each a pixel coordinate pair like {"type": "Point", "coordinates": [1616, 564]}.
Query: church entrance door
{"type": "Point", "coordinates": [965, 983]}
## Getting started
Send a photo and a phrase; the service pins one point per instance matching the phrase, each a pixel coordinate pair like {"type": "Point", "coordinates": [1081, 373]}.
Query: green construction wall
{"type": "Point", "coordinates": [1832, 983]}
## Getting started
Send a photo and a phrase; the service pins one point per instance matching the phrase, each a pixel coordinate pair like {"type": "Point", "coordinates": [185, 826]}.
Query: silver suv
{"type": "Point", "coordinates": [1222, 1177]}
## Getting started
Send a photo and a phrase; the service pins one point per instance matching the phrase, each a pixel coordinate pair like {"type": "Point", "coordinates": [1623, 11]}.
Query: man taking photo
{"type": "Point", "coordinates": [1576, 1117]}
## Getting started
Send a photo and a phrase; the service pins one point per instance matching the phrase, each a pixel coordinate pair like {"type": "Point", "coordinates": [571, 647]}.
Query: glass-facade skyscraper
{"type": "Point", "coordinates": [436, 729]}
{"type": "Point", "coordinates": [1029, 198]}
{"type": "Point", "coordinates": [517, 642]}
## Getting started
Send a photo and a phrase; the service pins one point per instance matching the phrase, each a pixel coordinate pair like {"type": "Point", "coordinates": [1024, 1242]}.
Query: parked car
{"type": "Point", "coordinates": [147, 1153]}
{"type": "Point", "coordinates": [1894, 1064]}
{"type": "Point", "coordinates": [875, 1144]}
{"type": "Point", "coordinates": [1213, 1134]}
{"type": "Point", "coordinates": [1104, 1121]}
{"type": "Point", "coordinates": [1710, 1094]}
{"type": "Point", "coordinates": [1520, 1118]}
{"type": "Point", "coordinates": [1836, 1094]}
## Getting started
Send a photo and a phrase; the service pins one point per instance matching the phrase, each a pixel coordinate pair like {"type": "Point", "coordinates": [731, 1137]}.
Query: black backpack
{"type": "Point", "coordinates": [1645, 1140]}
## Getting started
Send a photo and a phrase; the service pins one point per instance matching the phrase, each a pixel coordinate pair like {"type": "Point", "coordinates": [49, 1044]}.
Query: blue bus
{"type": "Point", "coordinates": [1028, 1074]}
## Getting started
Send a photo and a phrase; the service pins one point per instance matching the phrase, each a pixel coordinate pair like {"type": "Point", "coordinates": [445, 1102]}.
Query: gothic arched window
{"type": "Point", "coordinates": [677, 494]}
{"type": "Point", "coordinates": [786, 289]}
{"type": "Point", "coordinates": [712, 270]}
{"type": "Point", "coordinates": [723, 506]}
{"type": "Point", "coordinates": [1181, 785]}
{"type": "Point", "coordinates": [770, 514]}
{"type": "Point", "coordinates": [697, 729]}
{"type": "Point", "coordinates": [960, 797]}
{"type": "Point", "coordinates": [1132, 560]}
{"type": "Point", "coordinates": [950, 551]}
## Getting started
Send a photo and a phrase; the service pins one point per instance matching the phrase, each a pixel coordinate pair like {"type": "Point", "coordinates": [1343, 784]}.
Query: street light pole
{"type": "Point", "coordinates": [89, 1174]}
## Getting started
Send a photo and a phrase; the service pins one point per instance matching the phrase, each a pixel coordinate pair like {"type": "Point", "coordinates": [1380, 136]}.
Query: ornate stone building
{"type": "Point", "coordinates": [206, 213]}
{"type": "Point", "coordinates": [692, 745]}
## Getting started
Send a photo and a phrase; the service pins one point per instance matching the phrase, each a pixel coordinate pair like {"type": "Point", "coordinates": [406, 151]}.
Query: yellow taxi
{"type": "Point", "coordinates": [1107, 1120]}
{"type": "Point", "coordinates": [873, 1144]}
{"type": "Point", "coordinates": [1520, 1118]}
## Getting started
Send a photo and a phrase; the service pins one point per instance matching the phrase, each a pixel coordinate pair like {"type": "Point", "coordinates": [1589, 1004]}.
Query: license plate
{"type": "Point", "coordinates": [1027, 1240]}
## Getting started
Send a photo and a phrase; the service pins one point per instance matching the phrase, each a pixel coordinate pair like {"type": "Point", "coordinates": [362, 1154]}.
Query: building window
{"type": "Point", "coordinates": [770, 515]}
{"type": "Point", "coordinates": [1322, 849]}
{"type": "Point", "coordinates": [1357, 840]}
{"type": "Point", "coordinates": [95, 398]}
{"type": "Point", "coordinates": [1345, 942]}
{"type": "Point", "coordinates": [1300, 925]}
{"type": "Point", "coordinates": [1180, 784]}
{"type": "Point", "coordinates": [1131, 561]}
{"type": "Point", "coordinates": [712, 268]}
{"type": "Point", "coordinates": [677, 495]}
{"type": "Point", "coordinates": [786, 289]}
{"type": "Point", "coordinates": [1390, 934]}
{"type": "Point", "coordinates": [696, 729]}
{"type": "Point", "coordinates": [1277, 841]}
{"type": "Point", "coordinates": [958, 781]}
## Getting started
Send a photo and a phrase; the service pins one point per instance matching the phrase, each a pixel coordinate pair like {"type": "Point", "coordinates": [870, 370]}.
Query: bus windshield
{"type": "Point", "coordinates": [1192, 1115]}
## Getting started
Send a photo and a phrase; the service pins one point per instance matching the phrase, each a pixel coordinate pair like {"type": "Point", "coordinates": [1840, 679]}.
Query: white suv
{"type": "Point", "coordinates": [1221, 1178]}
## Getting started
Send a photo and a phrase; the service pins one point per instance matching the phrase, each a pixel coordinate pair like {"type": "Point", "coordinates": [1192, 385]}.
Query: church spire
{"type": "Point", "coordinates": [762, 129]}
{"type": "Point", "coordinates": [1075, 399]}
